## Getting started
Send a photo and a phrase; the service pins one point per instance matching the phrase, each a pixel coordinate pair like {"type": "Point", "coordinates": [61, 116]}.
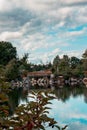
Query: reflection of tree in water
{"type": "Point", "coordinates": [14, 98]}
{"type": "Point", "coordinates": [77, 91]}
{"type": "Point", "coordinates": [65, 93]}
{"type": "Point", "coordinates": [62, 94]}
{"type": "Point", "coordinates": [85, 95]}
{"type": "Point", "coordinates": [24, 95]}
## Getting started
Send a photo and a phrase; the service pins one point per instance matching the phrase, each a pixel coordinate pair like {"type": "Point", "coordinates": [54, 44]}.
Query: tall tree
{"type": "Point", "coordinates": [7, 52]}
{"type": "Point", "coordinates": [85, 54]}
{"type": "Point", "coordinates": [64, 66]}
{"type": "Point", "coordinates": [24, 65]}
{"type": "Point", "coordinates": [74, 61]}
{"type": "Point", "coordinates": [24, 59]}
{"type": "Point", "coordinates": [12, 70]}
{"type": "Point", "coordinates": [56, 63]}
{"type": "Point", "coordinates": [85, 61]}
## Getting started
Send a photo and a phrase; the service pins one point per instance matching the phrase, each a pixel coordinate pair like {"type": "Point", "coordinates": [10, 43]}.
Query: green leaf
{"type": "Point", "coordinates": [64, 127]}
{"type": "Point", "coordinates": [46, 112]}
{"type": "Point", "coordinates": [57, 127]}
{"type": "Point", "coordinates": [42, 127]}
{"type": "Point", "coordinates": [45, 108]}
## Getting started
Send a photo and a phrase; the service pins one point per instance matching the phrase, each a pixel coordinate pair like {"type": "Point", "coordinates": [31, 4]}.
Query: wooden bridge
{"type": "Point", "coordinates": [42, 73]}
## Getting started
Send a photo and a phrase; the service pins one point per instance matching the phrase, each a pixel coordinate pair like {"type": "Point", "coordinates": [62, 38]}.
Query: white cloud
{"type": "Point", "coordinates": [10, 35]}
{"type": "Point", "coordinates": [71, 53]}
{"type": "Point", "coordinates": [5, 5]}
{"type": "Point", "coordinates": [38, 25]}
{"type": "Point", "coordinates": [44, 57]}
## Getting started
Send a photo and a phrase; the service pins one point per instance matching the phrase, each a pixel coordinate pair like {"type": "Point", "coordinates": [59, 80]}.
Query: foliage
{"type": "Point", "coordinates": [3, 84]}
{"type": "Point", "coordinates": [85, 61]}
{"type": "Point", "coordinates": [61, 66]}
{"type": "Point", "coordinates": [2, 73]}
{"type": "Point", "coordinates": [69, 66]}
{"type": "Point", "coordinates": [4, 89]}
{"type": "Point", "coordinates": [34, 67]}
{"type": "Point", "coordinates": [33, 115]}
{"type": "Point", "coordinates": [4, 105]}
{"type": "Point", "coordinates": [85, 54]}
{"type": "Point", "coordinates": [64, 65]}
{"type": "Point", "coordinates": [24, 59]}
{"type": "Point", "coordinates": [74, 61]}
{"type": "Point", "coordinates": [7, 52]}
{"type": "Point", "coordinates": [56, 63]}
{"type": "Point", "coordinates": [12, 70]}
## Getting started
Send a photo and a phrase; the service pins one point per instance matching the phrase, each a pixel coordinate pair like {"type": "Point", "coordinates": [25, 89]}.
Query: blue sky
{"type": "Point", "coordinates": [45, 28]}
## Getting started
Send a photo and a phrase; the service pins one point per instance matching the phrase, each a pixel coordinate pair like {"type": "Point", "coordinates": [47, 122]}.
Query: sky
{"type": "Point", "coordinates": [44, 28]}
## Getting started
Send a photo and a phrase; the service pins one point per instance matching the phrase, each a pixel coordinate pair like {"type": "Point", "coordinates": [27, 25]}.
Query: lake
{"type": "Point", "coordinates": [69, 107]}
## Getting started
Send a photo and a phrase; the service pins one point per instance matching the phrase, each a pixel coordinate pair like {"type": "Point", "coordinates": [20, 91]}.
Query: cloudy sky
{"type": "Point", "coordinates": [44, 28]}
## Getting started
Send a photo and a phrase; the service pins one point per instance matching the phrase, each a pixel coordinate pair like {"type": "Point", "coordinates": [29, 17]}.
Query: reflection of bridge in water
{"type": "Point", "coordinates": [46, 79]}
{"type": "Point", "coordinates": [40, 78]}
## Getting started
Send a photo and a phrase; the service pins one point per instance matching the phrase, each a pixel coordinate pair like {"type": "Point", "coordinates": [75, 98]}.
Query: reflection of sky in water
{"type": "Point", "coordinates": [73, 113]}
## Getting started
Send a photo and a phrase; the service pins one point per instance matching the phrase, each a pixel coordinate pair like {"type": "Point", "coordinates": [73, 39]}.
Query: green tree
{"type": "Point", "coordinates": [2, 73]}
{"type": "Point", "coordinates": [56, 63]}
{"type": "Point", "coordinates": [85, 62]}
{"type": "Point", "coordinates": [7, 52]}
{"type": "Point", "coordinates": [74, 61]}
{"type": "Point", "coordinates": [64, 66]}
{"type": "Point", "coordinates": [24, 59]}
{"type": "Point", "coordinates": [12, 70]}
{"type": "Point", "coordinates": [23, 63]}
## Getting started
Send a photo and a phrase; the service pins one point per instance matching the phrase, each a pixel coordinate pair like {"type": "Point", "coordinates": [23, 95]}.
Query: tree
{"type": "Point", "coordinates": [12, 70]}
{"type": "Point", "coordinates": [24, 59]}
{"type": "Point", "coordinates": [23, 63]}
{"type": "Point", "coordinates": [74, 61]}
{"type": "Point", "coordinates": [56, 63]}
{"type": "Point", "coordinates": [2, 73]}
{"type": "Point", "coordinates": [64, 66]}
{"type": "Point", "coordinates": [85, 54]}
{"type": "Point", "coordinates": [7, 52]}
{"type": "Point", "coordinates": [85, 61]}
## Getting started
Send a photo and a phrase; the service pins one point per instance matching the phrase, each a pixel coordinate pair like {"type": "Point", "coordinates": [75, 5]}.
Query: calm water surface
{"type": "Point", "coordinates": [69, 108]}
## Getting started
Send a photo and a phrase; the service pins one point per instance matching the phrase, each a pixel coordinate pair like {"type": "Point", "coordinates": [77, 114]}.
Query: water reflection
{"type": "Point", "coordinates": [15, 96]}
{"type": "Point", "coordinates": [65, 93]}
{"type": "Point", "coordinates": [70, 107]}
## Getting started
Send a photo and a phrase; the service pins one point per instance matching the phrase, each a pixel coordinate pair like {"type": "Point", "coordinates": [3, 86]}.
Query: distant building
{"type": "Point", "coordinates": [85, 73]}
{"type": "Point", "coordinates": [43, 73]}
{"type": "Point", "coordinates": [40, 78]}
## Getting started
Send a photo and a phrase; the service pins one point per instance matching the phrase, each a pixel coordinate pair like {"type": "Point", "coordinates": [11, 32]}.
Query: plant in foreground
{"type": "Point", "coordinates": [34, 115]}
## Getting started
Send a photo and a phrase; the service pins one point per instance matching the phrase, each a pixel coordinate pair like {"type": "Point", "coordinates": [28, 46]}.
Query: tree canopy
{"type": "Point", "coordinates": [7, 52]}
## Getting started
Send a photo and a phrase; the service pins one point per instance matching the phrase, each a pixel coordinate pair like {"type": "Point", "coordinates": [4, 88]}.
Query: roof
{"type": "Point", "coordinates": [40, 73]}
{"type": "Point", "coordinates": [85, 73]}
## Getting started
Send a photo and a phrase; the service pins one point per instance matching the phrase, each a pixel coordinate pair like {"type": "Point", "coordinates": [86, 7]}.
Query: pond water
{"type": "Point", "coordinates": [70, 107]}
